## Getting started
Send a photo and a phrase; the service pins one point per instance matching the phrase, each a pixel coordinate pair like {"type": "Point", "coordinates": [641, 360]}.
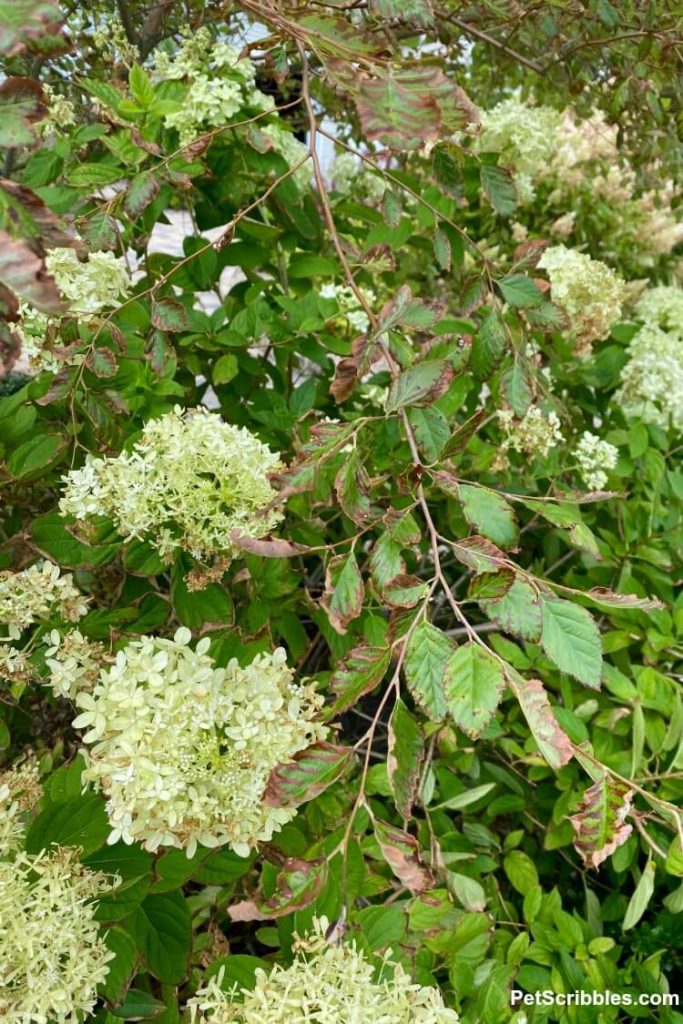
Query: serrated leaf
{"type": "Point", "coordinates": [474, 683]}
{"type": "Point", "coordinates": [169, 315]}
{"type": "Point", "coordinates": [427, 653]}
{"type": "Point", "coordinates": [611, 599]}
{"type": "Point", "coordinates": [86, 174]}
{"type": "Point", "coordinates": [142, 190]}
{"type": "Point", "coordinates": [404, 757]}
{"type": "Point", "coordinates": [488, 346]}
{"type": "Point", "coordinates": [517, 612]}
{"type": "Point", "coordinates": [420, 384]}
{"type": "Point", "coordinates": [359, 673]}
{"type": "Point", "coordinates": [571, 639]}
{"type": "Point", "coordinates": [499, 189]}
{"type": "Point", "coordinates": [479, 554]}
{"type": "Point", "coordinates": [516, 387]}
{"type": "Point", "coordinates": [520, 290]}
{"type": "Point", "coordinates": [121, 969]}
{"type": "Point", "coordinates": [599, 823]}
{"type": "Point", "coordinates": [402, 853]}
{"type": "Point", "coordinates": [490, 514]}
{"type": "Point", "coordinates": [298, 884]}
{"type": "Point", "coordinates": [431, 430]}
{"type": "Point", "coordinates": [308, 774]}
{"type": "Point", "coordinates": [447, 166]}
{"type": "Point", "coordinates": [553, 742]}
{"type": "Point", "coordinates": [491, 586]}
{"type": "Point", "coordinates": [344, 591]}
{"type": "Point", "coordinates": [404, 591]}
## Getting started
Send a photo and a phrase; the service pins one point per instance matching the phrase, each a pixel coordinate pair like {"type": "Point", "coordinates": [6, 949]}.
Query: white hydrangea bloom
{"type": "Point", "coordinates": [525, 136]}
{"type": "Point", "coordinates": [326, 984]}
{"type": "Point", "coordinates": [349, 304]}
{"type": "Point", "coordinates": [578, 142]}
{"type": "Point", "coordinates": [189, 482]}
{"type": "Point", "coordinates": [595, 458]}
{"type": "Point", "coordinates": [183, 750]}
{"type": "Point", "coordinates": [37, 593]}
{"type": "Point", "coordinates": [52, 957]}
{"type": "Point", "coordinates": [74, 662]}
{"type": "Point", "coordinates": [348, 175]}
{"type": "Point", "coordinates": [290, 148]}
{"type": "Point", "coordinates": [652, 379]}
{"type": "Point", "coordinates": [89, 286]}
{"type": "Point", "coordinates": [589, 292]}
{"type": "Point", "coordinates": [534, 435]}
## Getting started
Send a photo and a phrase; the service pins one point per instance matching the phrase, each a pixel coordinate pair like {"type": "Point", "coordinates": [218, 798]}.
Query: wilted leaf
{"type": "Point", "coordinates": [479, 554]}
{"type": "Point", "coordinates": [22, 102]}
{"type": "Point", "coordinates": [267, 547]}
{"type": "Point", "coordinates": [298, 884]}
{"type": "Point", "coordinates": [553, 742]}
{"type": "Point", "coordinates": [402, 853]}
{"type": "Point", "coordinates": [404, 757]}
{"type": "Point", "coordinates": [25, 272]}
{"type": "Point", "coordinates": [609, 598]}
{"type": "Point", "coordinates": [169, 315]}
{"type": "Point", "coordinates": [344, 591]}
{"type": "Point", "coordinates": [141, 191]}
{"type": "Point", "coordinates": [359, 673]}
{"type": "Point", "coordinates": [421, 384]}
{"type": "Point", "coordinates": [491, 586]}
{"type": "Point", "coordinates": [599, 823]}
{"type": "Point", "coordinates": [352, 485]}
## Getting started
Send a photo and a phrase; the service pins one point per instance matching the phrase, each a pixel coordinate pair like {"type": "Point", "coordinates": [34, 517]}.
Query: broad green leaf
{"type": "Point", "coordinates": [516, 385]}
{"type": "Point", "coordinates": [520, 290]}
{"type": "Point", "coordinates": [571, 639]}
{"type": "Point", "coordinates": [517, 612]}
{"type": "Point", "coordinates": [81, 821]}
{"type": "Point", "coordinates": [521, 871]}
{"type": "Point", "coordinates": [142, 190]}
{"type": "Point", "coordinates": [499, 189]}
{"type": "Point", "coordinates": [419, 384]}
{"type": "Point", "coordinates": [490, 514]}
{"type": "Point", "coordinates": [162, 932]}
{"type": "Point", "coordinates": [83, 175]}
{"type": "Point", "coordinates": [431, 430]}
{"type": "Point", "coordinates": [599, 823]}
{"type": "Point", "coordinates": [138, 1005]}
{"type": "Point", "coordinates": [427, 653]}
{"type": "Point", "coordinates": [404, 757]}
{"type": "Point", "coordinates": [52, 537]}
{"type": "Point", "coordinates": [468, 891]}
{"type": "Point", "coordinates": [121, 968]}
{"type": "Point", "coordinates": [474, 683]}
{"type": "Point", "coordinates": [488, 346]}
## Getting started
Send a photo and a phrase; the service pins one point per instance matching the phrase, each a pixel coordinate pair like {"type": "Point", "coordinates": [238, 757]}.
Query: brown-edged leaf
{"type": "Point", "coordinates": [307, 775]}
{"type": "Point", "coordinates": [25, 272]}
{"type": "Point", "coordinates": [267, 547]}
{"type": "Point", "coordinates": [553, 742]}
{"type": "Point", "coordinates": [344, 591]}
{"type": "Point", "coordinates": [169, 315]}
{"type": "Point", "coordinates": [404, 757]}
{"type": "Point", "coordinates": [402, 853]}
{"type": "Point", "coordinates": [358, 673]}
{"type": "Point", "coordinates": [599, 824]}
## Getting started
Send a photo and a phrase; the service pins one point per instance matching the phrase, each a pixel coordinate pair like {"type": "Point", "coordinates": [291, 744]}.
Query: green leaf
{"type": "Point", "coordinates": [521, 871]}
{"type": "Point", "coordinates": [599, 823]}
{"type": "Point", "coordinates": [447, 166]}
{"type": "Point", "coordinates": [416, 12]}
{"type": "Point", "coordinates": [516, 386]}
{"type": "Point", "coordinates": [352, 485]}
{"type": "Point", "coordinates": [141, 86]}
{"type": "Point", "coordinates": [641, 897]}
{"type": "Point", "coordinates": [143, 189]}
{"type": "Point", "coordinates": [121, 968]}
{"type": "Point", "coordinates": [419, 384]}
{"type": "Point", "coordinates": [488, 346]}
{"type": "Point", "coordinates": [344, 591]}
{"type": "Point", "coordinates": [427, 653]}
{"type": "Point", "coordinates": [22, 21]}
{"type": "Point", "coordinates": [35, 455]}
{"type": "Point", "coordinates": [474, 683]}
{"type": "Point", "coordinates": [491, 586]}
{"type": "Point", "coordinates": [53, 539]}
{"type": "Point", "coordinates": [571, 639]}
{"type": "Point", "coordinates": [499, 189]}
{"type": "Point", "coordinates": [169, 315]}
{"type": "Point", "coordinates": [431, 430]}
{"type": "Point", "coordinates": [225, 369]}
{"type": "Point", "coordinates": [520, 290]}
{"type": "Point", "coordinates": [468, 891]}
{"type": "Point", "coordinates": [404, 757]}
{"type": "Point", "coordinates": [308, 264]}
{"type": "Point", "coordinates": [163, 934]}
{"type": "Point", "coordinates": [81, 821]}
{"type": "Point", "coordinates": [138, 1006]}
{"type": "Point", "coordinates": [490, 514]}
{"type": "Point", "coordinates": [83, 175]}
{"type": "Point", "coordinates": [517, 612]}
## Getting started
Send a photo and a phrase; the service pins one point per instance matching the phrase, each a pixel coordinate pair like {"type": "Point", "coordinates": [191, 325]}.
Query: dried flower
{"type": "Point", "coordinates": [189, 482]}
{"type": "Point", "coordinates": [183, 749]}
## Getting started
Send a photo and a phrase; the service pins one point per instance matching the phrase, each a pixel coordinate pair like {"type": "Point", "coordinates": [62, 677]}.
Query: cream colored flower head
{"type": "Point", "coordinates": [326, 984]}
{"type": "Point", "coordinates": [92, 285]}
{"type": "Point", "coordinates": [183, 750]}
{"type": "Point", "coordinates": [52, 957]}
{"type": "Point", "coordinates": [189, 482]}
{"type": "Point", "coordinates": [589, 292]}
{"type": "Point", "coordinates": [36, 593]}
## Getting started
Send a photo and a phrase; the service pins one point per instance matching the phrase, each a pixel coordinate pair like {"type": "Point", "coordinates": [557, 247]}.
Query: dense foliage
{"type": "Point", "coordinates": [342, 510]}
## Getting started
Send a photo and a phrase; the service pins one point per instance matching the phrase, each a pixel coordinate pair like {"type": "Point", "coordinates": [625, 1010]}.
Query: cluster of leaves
{"type": "Point", "coordinates": [498, 648]}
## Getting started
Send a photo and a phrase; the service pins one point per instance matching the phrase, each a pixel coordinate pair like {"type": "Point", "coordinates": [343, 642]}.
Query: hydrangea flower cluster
{"type": "Point", "coordinates": [534, 435]}
{"type": "Point", "coordinates": [74, 662]}
{"type": "Point", "coordinates": [349, 304]}
{"type": "Point", "coordinates": [60, 113]}
{"type": "Point", "coordinates": [189, 482]}
{"type": "Point", "coordinates": [652, 380]}
{"type": "Point", "coordinates": [348, 175]}
{"type": "Point", "coordinates": [52, 957]}
{"type": "Point", "coordinates": [589, 292]}
{"type": "Point", "coordinates": [595, 458]}
{"type": "Point", "coordinates": [37, 593]}
{"type": "Point", "coordinates": [326, 984]}
{"type": "Point", "coordinates": [525, 136]}
{"type": "Point", "coordinates": [89, 288]}
{"type": "Point", "coordinates": [183, 750]}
